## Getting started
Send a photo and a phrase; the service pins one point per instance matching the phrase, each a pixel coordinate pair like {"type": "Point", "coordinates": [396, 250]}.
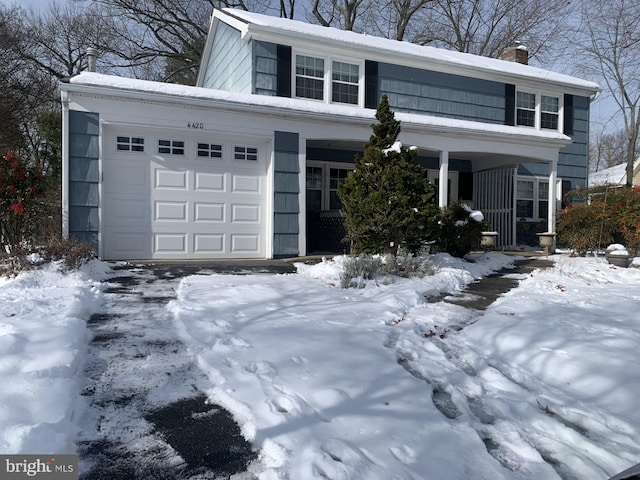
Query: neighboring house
{"type": "Point", "coordinates": [615, 176]}
{"type": "Point", "coordinates": [247, 164]}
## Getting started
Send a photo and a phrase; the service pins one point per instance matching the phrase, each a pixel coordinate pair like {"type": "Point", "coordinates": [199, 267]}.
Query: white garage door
{"type": "Point", "coordinates": [167, 196]}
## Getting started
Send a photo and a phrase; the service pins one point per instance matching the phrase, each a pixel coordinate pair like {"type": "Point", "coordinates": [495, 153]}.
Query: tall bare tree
{"type": "Point", "coordinates": [609, 37]}
{"type": "Point", "coordinates": [341, 14]}
{"type": "Point", "coordinates": [393, 18]}
{"type": "Point", "coordinates": [488, 27]}
{"type": "Point", "coordinates": [607, 150]}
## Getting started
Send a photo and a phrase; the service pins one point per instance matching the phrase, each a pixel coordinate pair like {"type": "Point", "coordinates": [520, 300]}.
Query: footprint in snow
{"type": "Point", "coordinates": [299, 360]}
{"type": "Point", "coordinates": [404, 454]}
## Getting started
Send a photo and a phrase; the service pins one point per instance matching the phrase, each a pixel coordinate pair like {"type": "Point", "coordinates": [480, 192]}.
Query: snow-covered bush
{"type": "Point", "coordinates": [355, 270]}
{"type": "Point", "coordinates": [459, 230]}
{"type": "Point", "coordinates": [408, 265]}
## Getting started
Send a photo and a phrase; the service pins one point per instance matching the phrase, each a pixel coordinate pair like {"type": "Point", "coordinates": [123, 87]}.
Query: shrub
{"type": "Point", "coordinates": [408, 265]}
{"type": "Point", "coordinates": [458, 232]}
{"type": "Point", "coordinates": [23, 188]}
{"type": "Point", "coordinates": [355, 270]}
{"type": "Point", "coordinates": [612, 215]}
{"type": "Point", "coordinates": [387, 200]}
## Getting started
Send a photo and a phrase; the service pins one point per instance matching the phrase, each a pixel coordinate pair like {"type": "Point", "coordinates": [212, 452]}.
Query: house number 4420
{"type": "Point", "coordinates": [196, 125]}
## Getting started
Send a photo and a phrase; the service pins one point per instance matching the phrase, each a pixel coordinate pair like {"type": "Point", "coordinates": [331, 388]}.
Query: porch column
{"type": "Point", "coordinates": [551, 215]}
{"type": "Point", "coordinates": [443, 187]}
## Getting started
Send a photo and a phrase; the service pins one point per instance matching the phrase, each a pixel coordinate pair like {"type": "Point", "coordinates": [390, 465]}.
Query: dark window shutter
{"type": "Point", "coordinates": [284, 71]}
{"type": "Point", "coordinates": [371, 96]}
{"type": "Point", "coordinates": [568, 114]}
{"type": "Point", "coordinates": [509, 104]}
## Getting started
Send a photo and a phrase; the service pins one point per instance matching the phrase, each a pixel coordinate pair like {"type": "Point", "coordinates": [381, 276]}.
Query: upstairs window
{"type": "Point", "coordinates": [345, 82]}
{"type": "Point", "coordinates": [549, 112]}
{"type": "Point", "coordinates": [526, 109]}
{"type": "Point", "coordinates": [538, 110]}
{"type": "Point", "coordinates": [129, 144]}
{"type": "Point", "coordinates": [309, 77]}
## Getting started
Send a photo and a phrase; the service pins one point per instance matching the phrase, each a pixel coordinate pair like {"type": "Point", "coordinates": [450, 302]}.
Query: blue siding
{"type": "Point", "coordinates": [286, 195]}
{"type": "Point", "coordinates": [422, 91]}
{"type": "Point", "coordinates": [84, 177]}
{"type": "Point", "coordinates": [229, 65]}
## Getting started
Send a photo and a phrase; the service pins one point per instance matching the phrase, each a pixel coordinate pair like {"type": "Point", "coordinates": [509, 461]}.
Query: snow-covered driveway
{"type": "Point", "coordinates": [375, 384]}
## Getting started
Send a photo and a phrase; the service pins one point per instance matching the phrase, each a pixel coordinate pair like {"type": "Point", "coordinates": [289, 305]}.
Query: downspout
{"type": "Point", "coordinates": [65, 163]}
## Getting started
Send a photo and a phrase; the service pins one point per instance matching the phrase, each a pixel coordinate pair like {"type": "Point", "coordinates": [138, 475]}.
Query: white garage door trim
{"type": "Point", "coordinates": [172, 195]}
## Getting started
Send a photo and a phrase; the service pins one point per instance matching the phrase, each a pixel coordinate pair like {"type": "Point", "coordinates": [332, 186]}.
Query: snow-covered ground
{"type": "Point", "coordinates": [372, 383]}
{"type": "Point", "coordinates": [43, 339]}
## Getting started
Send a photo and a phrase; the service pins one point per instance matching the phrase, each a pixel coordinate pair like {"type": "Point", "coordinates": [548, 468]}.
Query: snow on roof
{"type": "Point", "coordinates": [616, 175]}
{"type": "Point", "coordinates": [395, 47]}
{"type": "Point", "coordinates": [186, 93]}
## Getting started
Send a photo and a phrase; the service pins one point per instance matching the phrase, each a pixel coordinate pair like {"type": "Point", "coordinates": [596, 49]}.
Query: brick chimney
{"type": "Point", "coordinates": [516, 53]}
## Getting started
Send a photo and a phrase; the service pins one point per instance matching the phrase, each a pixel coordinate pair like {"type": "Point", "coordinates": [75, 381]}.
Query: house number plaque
{"type": "Point", "coordinates": [196, 125]}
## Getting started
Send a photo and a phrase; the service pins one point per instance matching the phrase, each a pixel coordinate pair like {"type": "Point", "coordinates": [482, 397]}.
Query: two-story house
{"type": "Point", "coordinates": [247, 163]}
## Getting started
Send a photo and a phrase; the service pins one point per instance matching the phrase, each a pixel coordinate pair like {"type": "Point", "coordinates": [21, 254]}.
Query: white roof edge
{"type": "Point", "coordinates": [259, 25]}
{"type": "Point", "coordinates": [110, 85]}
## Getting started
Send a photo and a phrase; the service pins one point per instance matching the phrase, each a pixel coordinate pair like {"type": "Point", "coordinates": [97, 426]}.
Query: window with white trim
{"type": "Point", "coordinates": [209, 150]}
{"type": "Point", "coordinates": [322, 182]}
{"type": "Point", "coordinates": [540, 110]}
{"type": "Point", "coordinates": [309, 77]}
{"type": "Point", "coordinates": [345, 82]}
{"type": "Point", "coordinates": [532, 198]}
{"type": "Point", "coordinates": [241, 152]}
{"type": "Point", "coordinates": [129, 144]}
{"type": "Point", "coordinates": [333, 80]}
{"type": "Point", "coordinates": [170, 147]}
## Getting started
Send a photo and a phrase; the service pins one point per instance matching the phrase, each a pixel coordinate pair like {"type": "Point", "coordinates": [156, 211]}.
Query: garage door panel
{"type": "Point", "coordinates": [127, 245]}
{"type": "Point", "coordinates": [209, 182]}
{"type": "Point", "coordinates": [245, 213]}
{"type": "Point", "coordinates": [170, 243]}
{"type": "Point", "coordinates": [127, 211]}
{"type": "Point", "coordinates": [170, 211]}
{"type": "Point", "coordinates": [208, 244]}
{"type": "Point", "coordinates": [170, 179]}
{"type": "Point", "coordinates": [245, 244]}
{"type": "Point", "coordinates": [246, 184]}
{"type": "Point", "coordinates": [208, 212]}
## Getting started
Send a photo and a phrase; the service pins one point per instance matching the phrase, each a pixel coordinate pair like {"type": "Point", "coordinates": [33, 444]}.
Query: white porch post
{"type": "Point", "coordinates": [443, 187]}
{"type": "Point", "coordinates": [553, 175]}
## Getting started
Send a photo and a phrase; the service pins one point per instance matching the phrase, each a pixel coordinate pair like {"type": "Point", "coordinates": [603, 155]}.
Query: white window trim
{"type": "Point", "coordinates": [328, 77]}
{"type": "Point", "coordinates": [538, 109]}
{"type": "Point", "coordinates": [536, 197]}
{"type": "Point", "coordinates": [326, 170]}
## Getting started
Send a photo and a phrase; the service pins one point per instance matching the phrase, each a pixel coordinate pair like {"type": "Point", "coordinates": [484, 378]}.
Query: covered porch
{"type": "Point", "coordinates": [481, 172]}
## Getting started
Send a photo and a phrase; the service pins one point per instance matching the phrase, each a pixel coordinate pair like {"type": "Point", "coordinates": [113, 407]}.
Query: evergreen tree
{"type": "Point", "coordinates": [387, 200]}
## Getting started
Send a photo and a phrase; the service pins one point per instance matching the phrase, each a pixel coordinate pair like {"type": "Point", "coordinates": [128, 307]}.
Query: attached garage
{"type": "Point", "coordinates": [167, 195]}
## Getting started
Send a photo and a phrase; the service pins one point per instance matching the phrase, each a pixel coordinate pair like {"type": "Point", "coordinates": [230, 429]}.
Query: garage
{"type": "Point", "coordinates": [167, 195]}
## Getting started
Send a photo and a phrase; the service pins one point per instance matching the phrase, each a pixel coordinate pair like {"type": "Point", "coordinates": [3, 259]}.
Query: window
{"type": "Point", "coordinates": [539, 110]}
{"type": "Point", "coordinates": [532, 198]}
{"type": "Point", "coordinates": [171, 147]}
{"type": "Point", "coordinates": [337, 176]}
{"type": "Point", "coordinates": [526, 109]}
{"type": "Point", "coordinates": [209, 150]}
{"type": "Point", "coordinates": [129, 144]}
{"type": "Point", "coordinates": [309, 77]}
{"type": "Point", "coordinates": [323, 180]}
{"type": "Point", "coordinates": [345, 82]}
{"type": "Point", "coordinates": [549, 112]}
{"type": "Point", "coordinates": [245, 153]}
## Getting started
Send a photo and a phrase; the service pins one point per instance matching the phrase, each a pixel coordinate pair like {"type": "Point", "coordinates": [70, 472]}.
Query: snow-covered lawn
{"type": "Point", "coordinates": [43, 339]}
{"type": "Point", "coordinates": [372, 383]}
{"type": "Point", "coordinates": [343, 384]}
